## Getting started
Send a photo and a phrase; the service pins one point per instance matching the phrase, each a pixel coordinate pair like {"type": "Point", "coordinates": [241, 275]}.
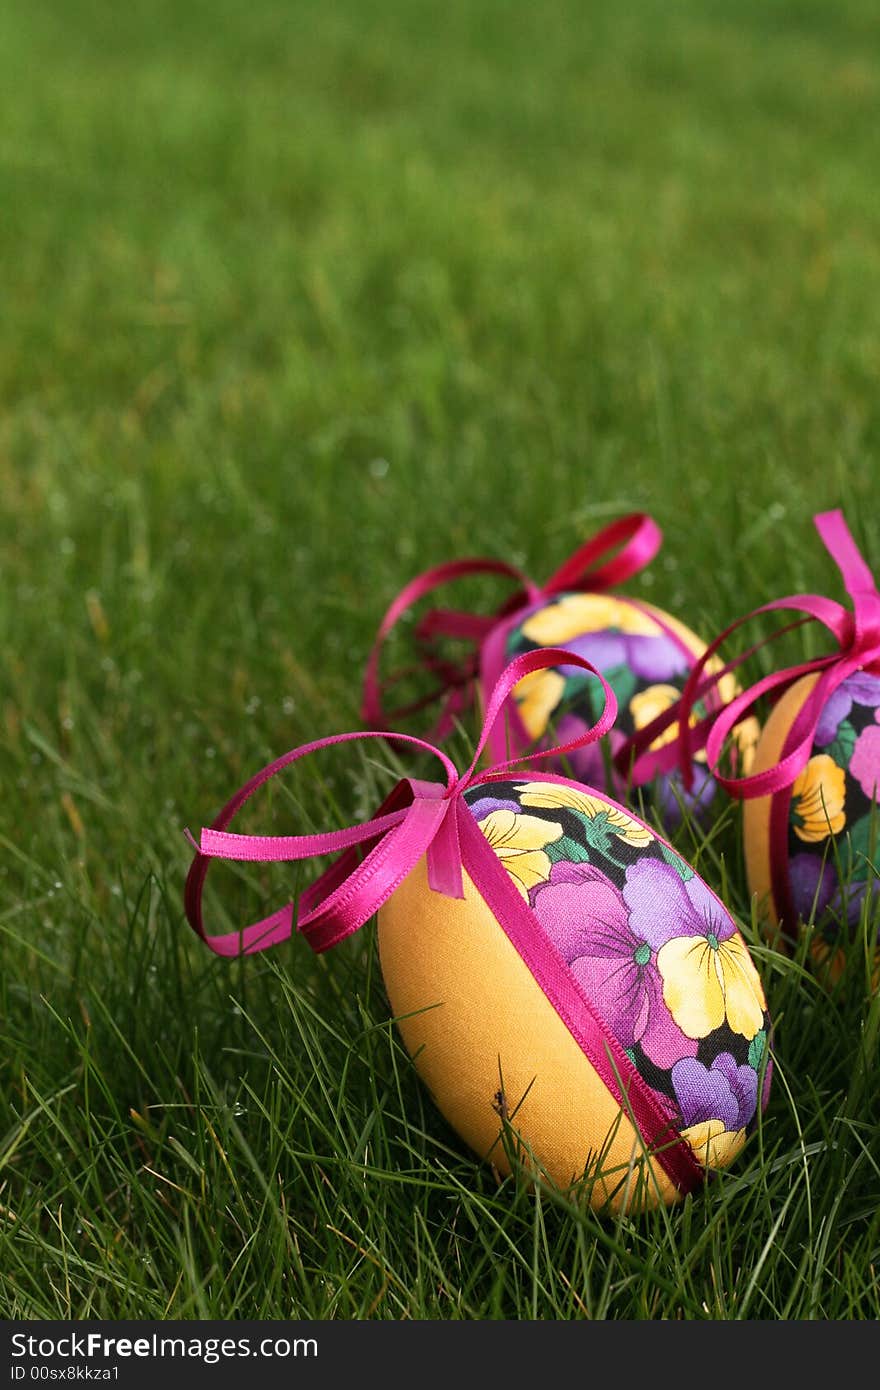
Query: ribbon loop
{"type": "Point", "coordinates": [856, 635]}
{"type": "Point", "coordinates": [418, 818]}
{"type": "Point", "coordinates": [865, 642]}
{"type": "Point", "coordinates": [445, 622]}
{"type": "Point", "coordinates": [217, 843]}
{"type": "Point", "coordinates": [639, 537]}
{"type": "Point", "coordinates": [636, 538]}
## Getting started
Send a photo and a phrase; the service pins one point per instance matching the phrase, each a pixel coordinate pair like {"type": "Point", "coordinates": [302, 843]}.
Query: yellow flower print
{"type": "Point", "coordinates": [713, 1145]}
{"type": "Point", "coordinates": [649, 704]}
{"type": "Point", "coordinates": [748, 731]}
{"type": "Point", "coordinates": [576, 614]}
{"type": "Point", "coordinates": [727, 686]}
{"type": "Point", "coordinates": [746, 734]}
{"type": "Point", "coordinates": [550, 795]}
{"type": "Point", "coordinates": [537, 696]}
{"type": "Point", "coordinates": [707, 982]}
{"type": "Point", "coordinates": [817, 800]}
{"type": "Point", "coordinates": [519, 842]}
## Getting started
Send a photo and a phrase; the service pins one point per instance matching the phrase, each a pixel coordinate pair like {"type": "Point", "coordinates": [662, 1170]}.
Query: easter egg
{"type": "Point", "coordinates": [810, 847]}
{"type": "Point", "coordinates": [620, 923]}
{"type": "Point", "coordinates": [645, 655]}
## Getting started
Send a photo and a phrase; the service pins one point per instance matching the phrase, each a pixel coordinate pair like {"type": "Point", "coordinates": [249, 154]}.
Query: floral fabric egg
{"type": "Point", "coordinates": [810, 799]}
{"type": "Point", "coordinates": [645, 655]}
{"type": "Point", "coordinates": [567, 986]}
{"type": "Point", "coordinates": [811, 847]}
{"type": "Point", "coordinates": [657, 956]}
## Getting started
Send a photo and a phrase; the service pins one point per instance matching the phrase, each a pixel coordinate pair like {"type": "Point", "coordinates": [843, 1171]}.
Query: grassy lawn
{"type": "Point", "coordinates": [298, 299]}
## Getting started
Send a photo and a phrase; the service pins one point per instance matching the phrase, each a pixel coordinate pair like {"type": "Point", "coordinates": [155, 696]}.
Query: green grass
{"type": "Point", "coordinates": [298, 299]}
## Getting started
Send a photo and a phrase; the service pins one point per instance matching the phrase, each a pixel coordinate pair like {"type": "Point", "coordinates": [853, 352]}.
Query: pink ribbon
{"type": "Point", "coordinates": [417, 818]}
{"type": "Point", "coordinates": [636, 537]}
{"type": "Point", "coordinates": [432, 819]}
{"type": "Point", "coordinates": [856, 635]}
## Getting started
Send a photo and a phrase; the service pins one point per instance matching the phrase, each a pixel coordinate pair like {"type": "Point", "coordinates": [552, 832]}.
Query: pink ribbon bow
{"type": "Point", "coordinates": [637, 539]}
{"type": "Point", "coordinates": [856, 635]}
{"type": "Point", "coordinates": [432, 819]}
{"type": "Point", "coordinates": [417, 818]}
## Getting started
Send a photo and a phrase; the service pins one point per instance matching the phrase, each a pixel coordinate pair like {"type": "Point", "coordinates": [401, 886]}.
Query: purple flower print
{"type": "Point", "coordinates": [812, 882]}
{"type": "Point", "coordinates": [857, 689]}
{"type": "Point", "coordinates": [672, 798]}
{"type": "Point", "coordinates": [722, 1092]}
{"type": "Point", "coordinates": [656, 659]}
{"type": "Point", "coordinates": [863, 688]}
{"type": "Point", "coordinates": [586, 918]}
{"type": "Point", "coordinates": [835, 709]}
{"type": "Point", "coordinates": [662, 905]}
{"type": "Point", "coordinates": [708, 976]}
{"type": "Point", "coordinates": [485, 805]}
{"type": "Point", "coordinates": [816, 883]}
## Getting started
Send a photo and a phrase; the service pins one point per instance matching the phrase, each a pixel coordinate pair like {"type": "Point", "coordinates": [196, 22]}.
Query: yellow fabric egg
{"type": "Point", "coordinates": [663, 973]}
{"type": "Point", "coordinates": [570, 990]}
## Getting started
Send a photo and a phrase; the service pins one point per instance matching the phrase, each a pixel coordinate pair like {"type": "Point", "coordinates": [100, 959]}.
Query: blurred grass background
{"type": "Point", "coordinates": [298, 299]}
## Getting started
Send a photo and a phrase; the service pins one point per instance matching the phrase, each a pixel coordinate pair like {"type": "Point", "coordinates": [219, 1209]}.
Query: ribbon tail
{"type": "Point", "coordinates": [858, 580]}
{"type": "Point", "coordinates": [444, 853]}
{"type": "Point", "coordinates": [639, 538]}
{"type": "Point", "coordinates": [838, 541]}
{"type": "Point", "coordinates": [376, 855]}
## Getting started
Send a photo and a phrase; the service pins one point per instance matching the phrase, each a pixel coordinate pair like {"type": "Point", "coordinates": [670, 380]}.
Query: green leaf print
{"type": "Point", "coordinates": [602, 835]}
{"type": "Point", "coordinates": [623, 682]}
{"type": "Point", "coordinates": [863, 841]}
{"type": "Point", "coordinates": [599, 833]}
{"type": "Point", "coordinates": [513, 642]}
{"type": "Point", "coordinates": [683, 870]}
{"type": "Point", "coordinates": [568, 850]}
{"type": "Point", "coordinates": [841, 750]}
{"type": "Point", "coordinates": [577, 688]}
{"type": "Point", "coordinates": [757, 1048]}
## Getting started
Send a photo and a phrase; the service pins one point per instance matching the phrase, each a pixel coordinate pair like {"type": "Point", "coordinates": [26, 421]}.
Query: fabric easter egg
{"type": "Point", "coordinates": [568, 988]}
{"type": "Point", "coordinates": [810, 812]}
{"type": "Point", "coordinates": [664, 970]}
{"type": "Point", "coordinates": [646, 656]}
{"type": "Point", "coordinates": [810, 847]}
